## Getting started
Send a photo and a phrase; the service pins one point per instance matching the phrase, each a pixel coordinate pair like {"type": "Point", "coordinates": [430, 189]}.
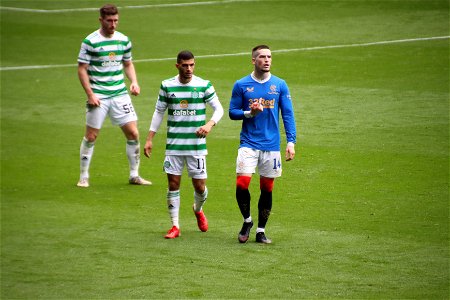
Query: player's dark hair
{"type": "Point", "coordinates": [108, 10]}
{"type": "Point", "coordinates": [259, 47]}
{"type": "Point", "coordinates": [184, 55]}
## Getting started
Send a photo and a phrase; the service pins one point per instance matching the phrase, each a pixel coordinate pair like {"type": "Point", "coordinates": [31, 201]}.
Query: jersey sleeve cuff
{"type": "Point", "coordinates": [248, 114]}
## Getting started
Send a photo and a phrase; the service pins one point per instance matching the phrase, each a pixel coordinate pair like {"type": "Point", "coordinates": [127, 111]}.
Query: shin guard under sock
{"type": "Point", "coordinates": [264, 208]}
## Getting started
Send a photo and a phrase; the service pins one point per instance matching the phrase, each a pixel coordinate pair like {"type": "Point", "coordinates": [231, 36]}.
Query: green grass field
{"type": "Point", "coordinates": [362, 212]}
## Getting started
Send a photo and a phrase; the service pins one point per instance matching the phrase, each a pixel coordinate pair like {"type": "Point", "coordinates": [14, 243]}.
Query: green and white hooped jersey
{"type": "Point", "coordinates": [104, 56]}
{"type": "Point", "coordinates": [186, 105]}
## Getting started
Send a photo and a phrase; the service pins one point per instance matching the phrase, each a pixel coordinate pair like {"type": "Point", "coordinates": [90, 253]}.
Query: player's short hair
{"type": "Point", "coordinates": [259, 47]}
{"type": "Point", "coordinates": [108, 10]}
{"type": "Point", "coordinates": [184, 55]}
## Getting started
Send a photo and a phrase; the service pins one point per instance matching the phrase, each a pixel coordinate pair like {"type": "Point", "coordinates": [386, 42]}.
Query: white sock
{"type": "Point", "coordinates": [173, 204]}
{"type": "Point", "coordinates": [248, 220]}
{"type": "Point", "coordinates": [133, 154]}
{"type": "Point", "coordinates": [199, 200]}
{"type": "Point", "coordinates": [86, 151]}
{"type": "Point", "coordinates": [260, 230]}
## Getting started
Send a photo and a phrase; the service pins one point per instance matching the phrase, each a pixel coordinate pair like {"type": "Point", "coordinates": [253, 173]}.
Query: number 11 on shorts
{"type": "Point", "coordinates": [200, 163]}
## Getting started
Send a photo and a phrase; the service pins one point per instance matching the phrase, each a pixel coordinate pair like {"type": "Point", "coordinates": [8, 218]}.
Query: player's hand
{"type": "Point", "coordinates": [256, 108]}
{"type": "Point", "coordinates": [135, 89]}
{"type": "Point", "coordinates": [203, 131]}
{"type": "Point", "coordinates": [148, 148]}
{"type": "Point", "coordinates": [290, 152]}
{"type": "Point", "coordinates": [93, 101]}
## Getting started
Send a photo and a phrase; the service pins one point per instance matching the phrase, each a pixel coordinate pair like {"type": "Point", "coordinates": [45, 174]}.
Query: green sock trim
{"type": "Point", "coordinates": [133, 142]}
{"type": "Point", "coordinates": [88, 144]}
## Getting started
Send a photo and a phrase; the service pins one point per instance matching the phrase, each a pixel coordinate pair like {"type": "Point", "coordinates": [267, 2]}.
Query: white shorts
{"type": "Point", "coordinates": [196, 165]}
{"type": "Point", "coordinates": [119, 109]}
{"type": "Point", "coordinates": [268, 162]}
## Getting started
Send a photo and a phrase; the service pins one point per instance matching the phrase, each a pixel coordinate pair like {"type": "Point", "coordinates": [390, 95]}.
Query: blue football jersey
{"type": "Point", "coordinates": [262, 132]}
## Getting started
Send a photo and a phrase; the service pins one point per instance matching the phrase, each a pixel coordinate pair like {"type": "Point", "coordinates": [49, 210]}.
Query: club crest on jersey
{"type": "Point", "coordinates": [194, 94]}
{"type": "Point", "coordinates": [273, 90]}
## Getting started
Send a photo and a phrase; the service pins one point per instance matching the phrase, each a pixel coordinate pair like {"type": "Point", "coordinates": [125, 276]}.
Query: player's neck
{"type": "Point", "coordinates": [184, 80]}
{"type": "Point", "coordinates": [106, 35]}
{"type": "Point", "coordinates": [261, 76]}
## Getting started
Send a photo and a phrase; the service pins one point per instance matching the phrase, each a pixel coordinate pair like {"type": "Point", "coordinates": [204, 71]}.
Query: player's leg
{"type": "Point", "coordinates": [196, 166]}
{"type": "Point", "coordinates": [264, 208]}
{"type": "Point", "coordinates": [200, 193]}
{"type": "Point", "coordinates": [200, 196]}
{"type": "Point", "coordinates": [95, 117]}
{"type": "Point", "coordinates": [123, 114]}
{"type": "Point", "coordinates": [245, 166]}
{"type": "Point", "coordinates": [173, 166]}
{"type": "Point", "coordinates": [269, 168]}
{"type": "Point", "coordinates": [86, 152]}
{"type": "Point", "coordinates": [133, 153]}
{"type": "Point", "coordinates": [173, 205]}
{"type": "Point", "coordinates": [243, 195]}
{"type": "Point", "coordinates": [243, 200]}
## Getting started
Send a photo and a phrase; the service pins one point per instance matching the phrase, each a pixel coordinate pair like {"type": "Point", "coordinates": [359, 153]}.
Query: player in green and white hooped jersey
{"type": "Point", "coordinates": [185, 97]}
{"type": "Point", "coordinates": [104, 55]}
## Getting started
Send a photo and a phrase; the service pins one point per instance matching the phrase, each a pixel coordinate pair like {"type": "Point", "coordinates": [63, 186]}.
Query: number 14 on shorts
{"type": "Point", "coordinates": [276, 164]}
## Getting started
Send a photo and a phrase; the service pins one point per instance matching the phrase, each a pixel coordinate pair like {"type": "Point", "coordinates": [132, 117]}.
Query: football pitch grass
{"type": "Point", "coordinates": [362, 212]}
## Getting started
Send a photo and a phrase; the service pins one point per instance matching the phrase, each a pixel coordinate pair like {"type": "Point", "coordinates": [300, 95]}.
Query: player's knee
{"type": "Point", "coordinates": [243, 182]}
{"type": "Point", "coordinates": [90, 137]}
{"type": "Point", "coordinates": [133, 135]}
{"type": "Point", "coordinates": [174, 182]}
{"type": "Point", "coordinates": [131, 131]}
{"type": "Point", "coordinates": [199, 185]}
{"type": "Point", "coordinates": [266, 184]}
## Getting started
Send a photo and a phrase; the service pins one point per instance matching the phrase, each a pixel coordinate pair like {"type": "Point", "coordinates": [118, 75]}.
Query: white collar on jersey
{"type": "Point", "coordinates": [260, 81]}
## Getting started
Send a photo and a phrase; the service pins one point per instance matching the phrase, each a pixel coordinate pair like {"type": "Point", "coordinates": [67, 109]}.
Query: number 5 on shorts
{"type": "Point", "coordinates": [127, 108]}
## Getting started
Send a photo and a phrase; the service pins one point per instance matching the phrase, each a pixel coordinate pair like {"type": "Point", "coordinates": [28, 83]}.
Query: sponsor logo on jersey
{"type": "Point", "coordinates": [184, 112]}
{"type": "Point", "coordinates": [266, 103]}
{"type": "Point", "coordinates": [111, 63]}
{"type": "Point", "coordinates": [184, 104]}
{"type": "Point", "coordinates": [251, 89]}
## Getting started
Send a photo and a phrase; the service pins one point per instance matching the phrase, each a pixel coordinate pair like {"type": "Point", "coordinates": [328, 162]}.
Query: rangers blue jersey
{"type": "Point", "coordinates": [262, 132]}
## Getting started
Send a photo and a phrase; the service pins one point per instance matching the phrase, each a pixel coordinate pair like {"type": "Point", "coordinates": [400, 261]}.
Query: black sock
{"type": "Point", "coordinates": [243, 200]}
{"type": "Point", "coordinates": [264, 208]}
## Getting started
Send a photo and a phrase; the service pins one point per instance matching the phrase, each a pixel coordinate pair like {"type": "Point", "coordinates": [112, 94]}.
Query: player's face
{"type": "Point", "coordinates": [109, 24]}
{"type": "Point", "coordinates": [262, 60]}
{"type": "Point", "coordinates": [186, 70]}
